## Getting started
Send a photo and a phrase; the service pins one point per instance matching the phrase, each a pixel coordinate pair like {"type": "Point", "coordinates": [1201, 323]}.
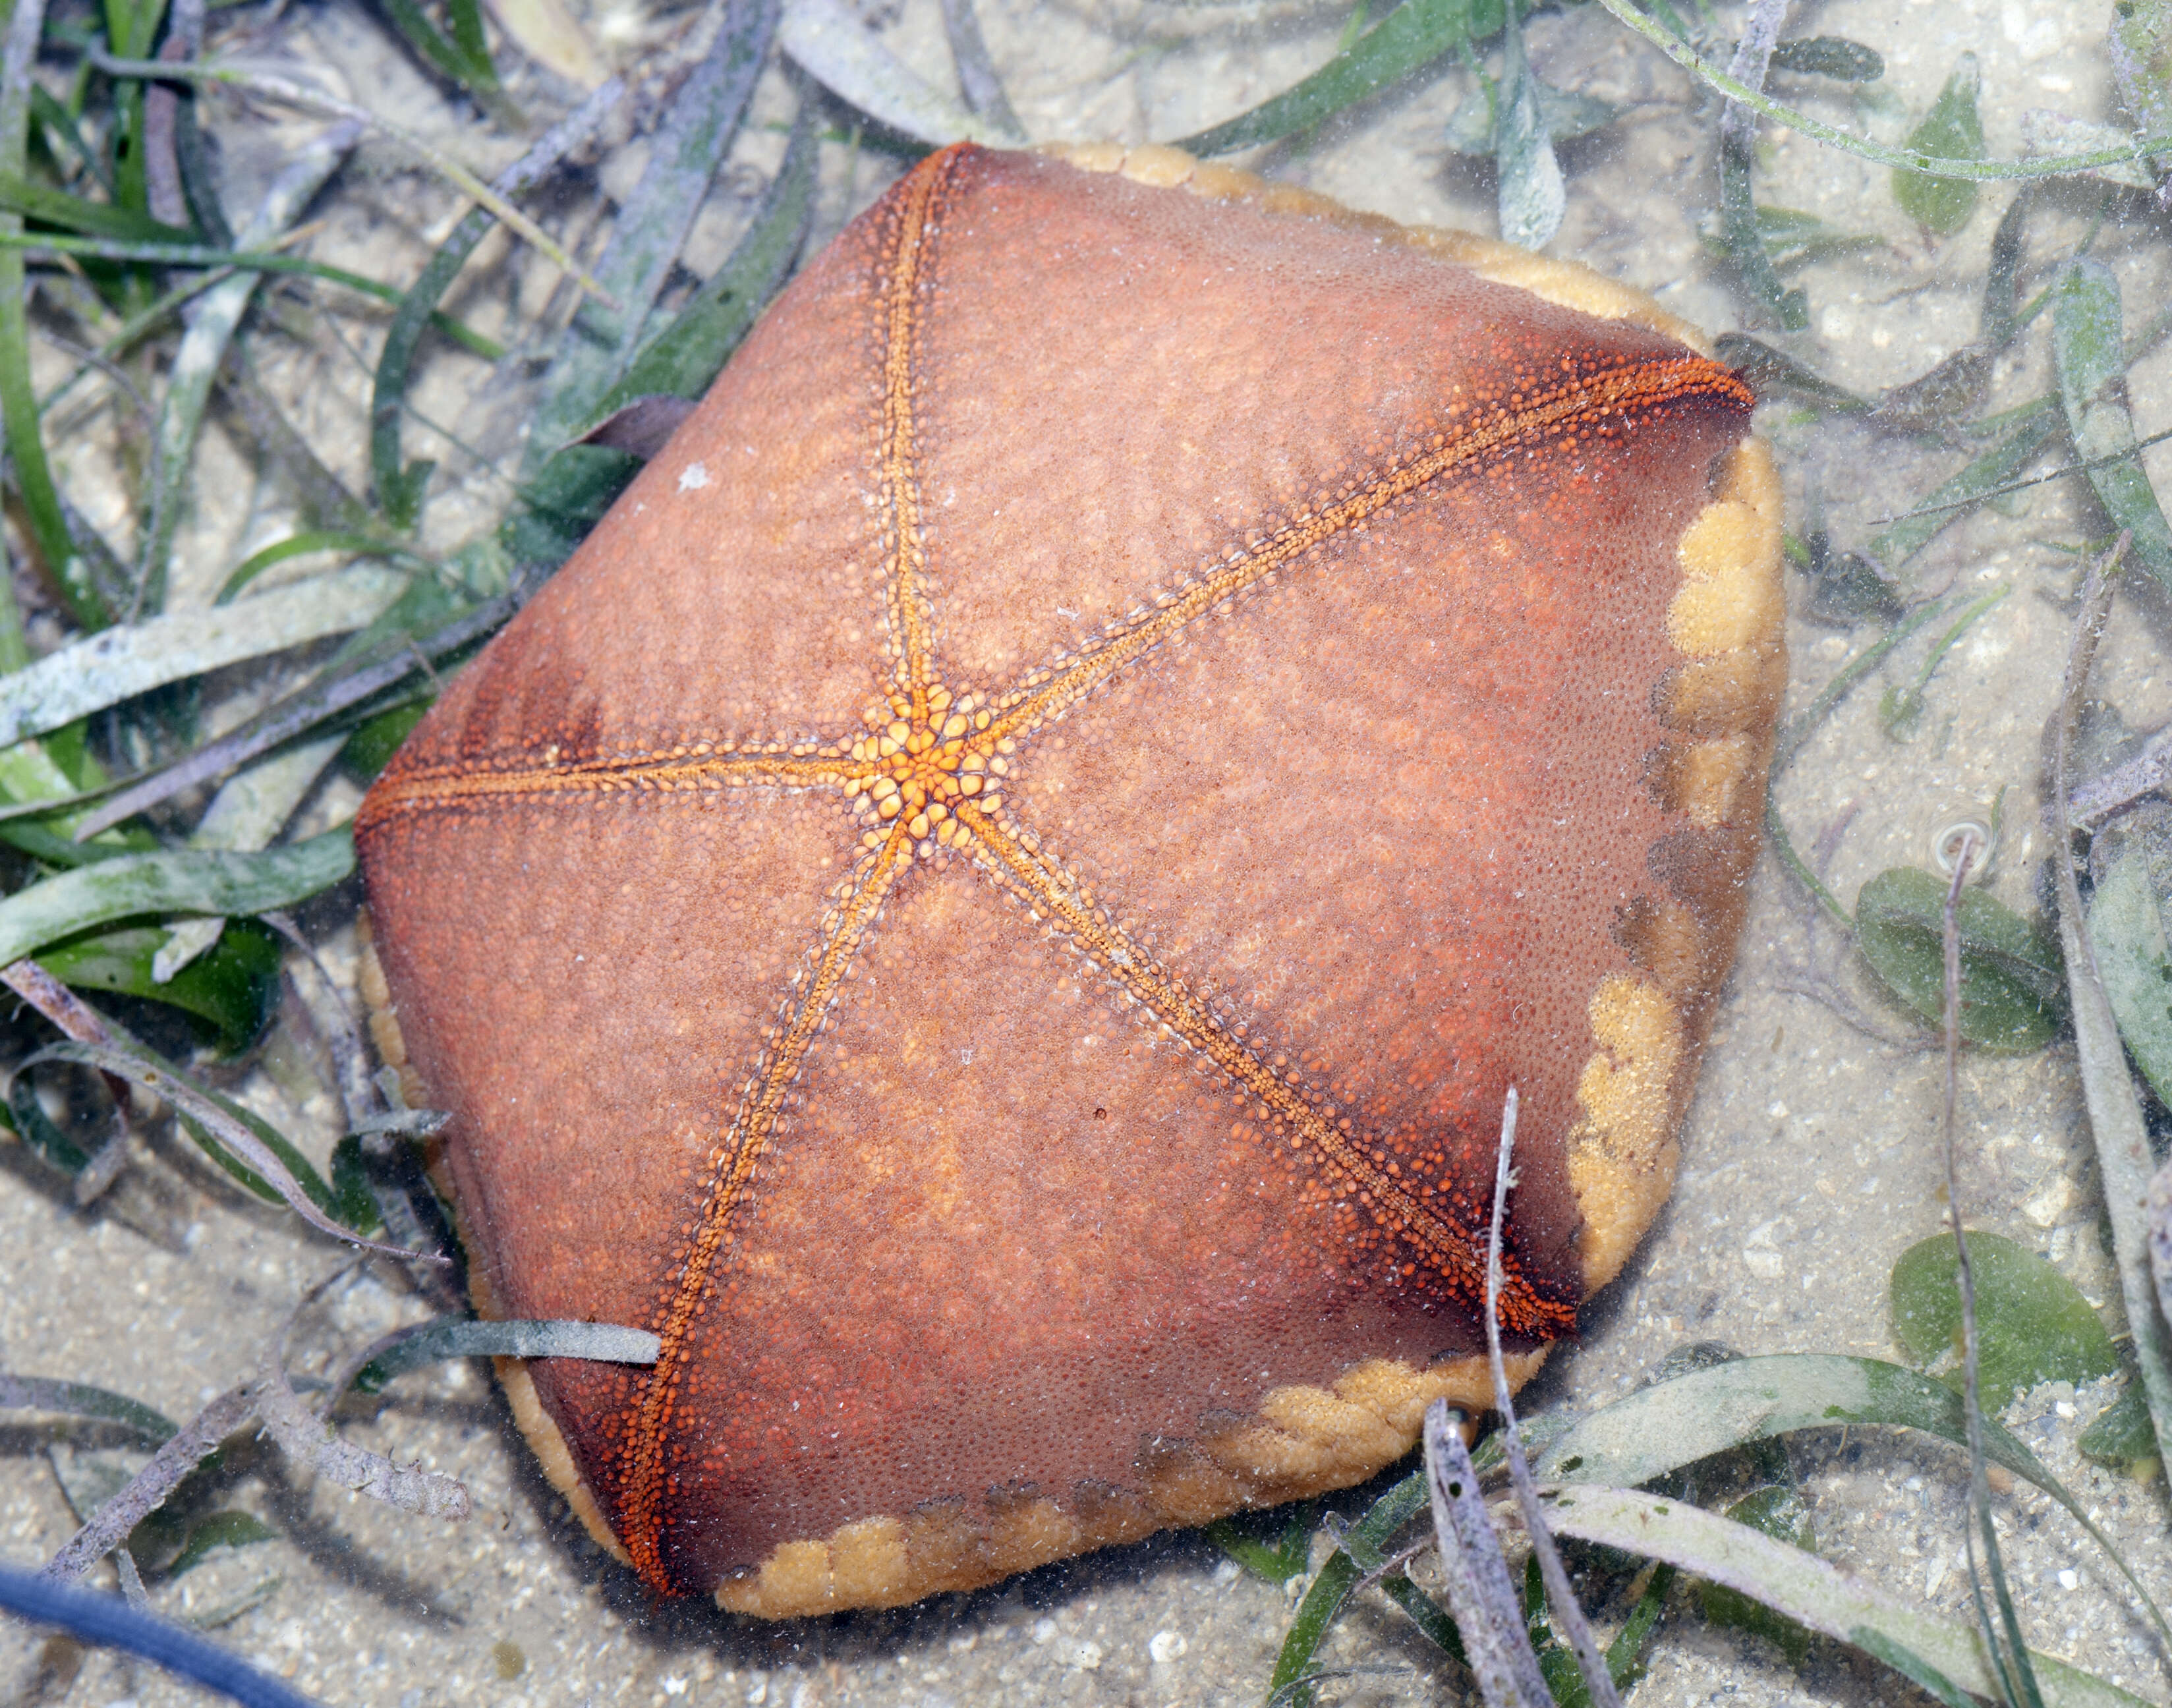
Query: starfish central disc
{"type": "Point", "coordinates": [918, 767]}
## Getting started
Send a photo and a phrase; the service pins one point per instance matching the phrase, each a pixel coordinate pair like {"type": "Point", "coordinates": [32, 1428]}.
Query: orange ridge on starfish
{"type": "Point", "coordinates": [1596, 403]}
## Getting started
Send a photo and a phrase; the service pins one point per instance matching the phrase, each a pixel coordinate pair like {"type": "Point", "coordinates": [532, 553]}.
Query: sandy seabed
{"type": "Point", "coordinates": [1809, 1160]}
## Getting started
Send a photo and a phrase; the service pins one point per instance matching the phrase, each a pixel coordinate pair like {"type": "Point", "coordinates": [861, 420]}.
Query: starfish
{"type": "Point", "coordinates": [961, 776]}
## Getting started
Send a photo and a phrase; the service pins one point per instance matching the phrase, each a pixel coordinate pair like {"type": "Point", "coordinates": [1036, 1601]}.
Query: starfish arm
{"type": "Point", "coordinates": [1454, 1254]}
{"type": "Point", "coordinates": [1594, 404]}
{"type": "Point", "coordinates": [733, 1164]}
{"type": "Point", "coordinates": [905, 579]}
{"type": "Point", "coordinates": [423, 791]}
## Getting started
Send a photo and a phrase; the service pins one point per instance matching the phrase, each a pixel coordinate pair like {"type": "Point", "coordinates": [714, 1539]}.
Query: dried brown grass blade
{"type": "Point", "coordinates": [1561, 1597]}
{"type": "Point", "coordinates": [1481, 1593]}
{"type": "Point", "coordinates": [146, 1491]}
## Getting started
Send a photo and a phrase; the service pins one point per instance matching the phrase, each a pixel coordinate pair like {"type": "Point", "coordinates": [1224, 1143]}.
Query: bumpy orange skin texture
{"type": "Point", "coordinates": [994, 902]}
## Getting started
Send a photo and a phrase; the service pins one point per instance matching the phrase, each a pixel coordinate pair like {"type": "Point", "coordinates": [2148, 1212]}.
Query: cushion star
{"type": "Point", "coordinates": [994, 901]}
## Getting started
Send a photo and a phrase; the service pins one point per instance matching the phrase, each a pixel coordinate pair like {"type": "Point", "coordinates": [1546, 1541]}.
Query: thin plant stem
{"type": "Point", "coordinates": [108, 1527]}
{"type": "Point", "coordinates": [14, 645]}
{"type": "Point", "coordinates": [213, 321]}
{"type": "Point", "coordinates": [1783, 845]}
{"type": "Point", "coordinates": [1738, 143]}
{"type": "Point", "coordinates": [26, 452]}
{"type": "Point", "coordinates": [1799, 728]}
{"type": "Point", "coordinates": [1979, 1495]}
{"type": "Point", "coordinates": [77, 1019]}
{"type": "Point", "coordinates": [132, 1580]}
{"type": "Point", "coordinates": [2122, 1142]}
{"type": "Point", "coordinates": [233, 1136]}
{"type": "Point", "coordinates": [395, 1184]}
{"type": "Point", "coordinates": [57, 1003]}
{"type": "Point", "coordinates": [307, 1439]}
{"type": "Point", "coordinates": [1752, 55]}
{"type": "Point", "coordinates": [288, 93]}
{"type": "Point", "coordinates": [977, 79]}
{"type": "Point", "coordinates": [280, 721]}
{"type": "Point", "coordinates": [2011, 487]}
{"type": "Point", "coordinates": [1487, 1611]}
{"type": "Point", "coordinates": [1560, 1595]}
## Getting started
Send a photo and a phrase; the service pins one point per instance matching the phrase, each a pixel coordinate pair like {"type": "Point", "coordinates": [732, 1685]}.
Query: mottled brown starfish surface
{"type": "Point", "coordinates": [995, 901]}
